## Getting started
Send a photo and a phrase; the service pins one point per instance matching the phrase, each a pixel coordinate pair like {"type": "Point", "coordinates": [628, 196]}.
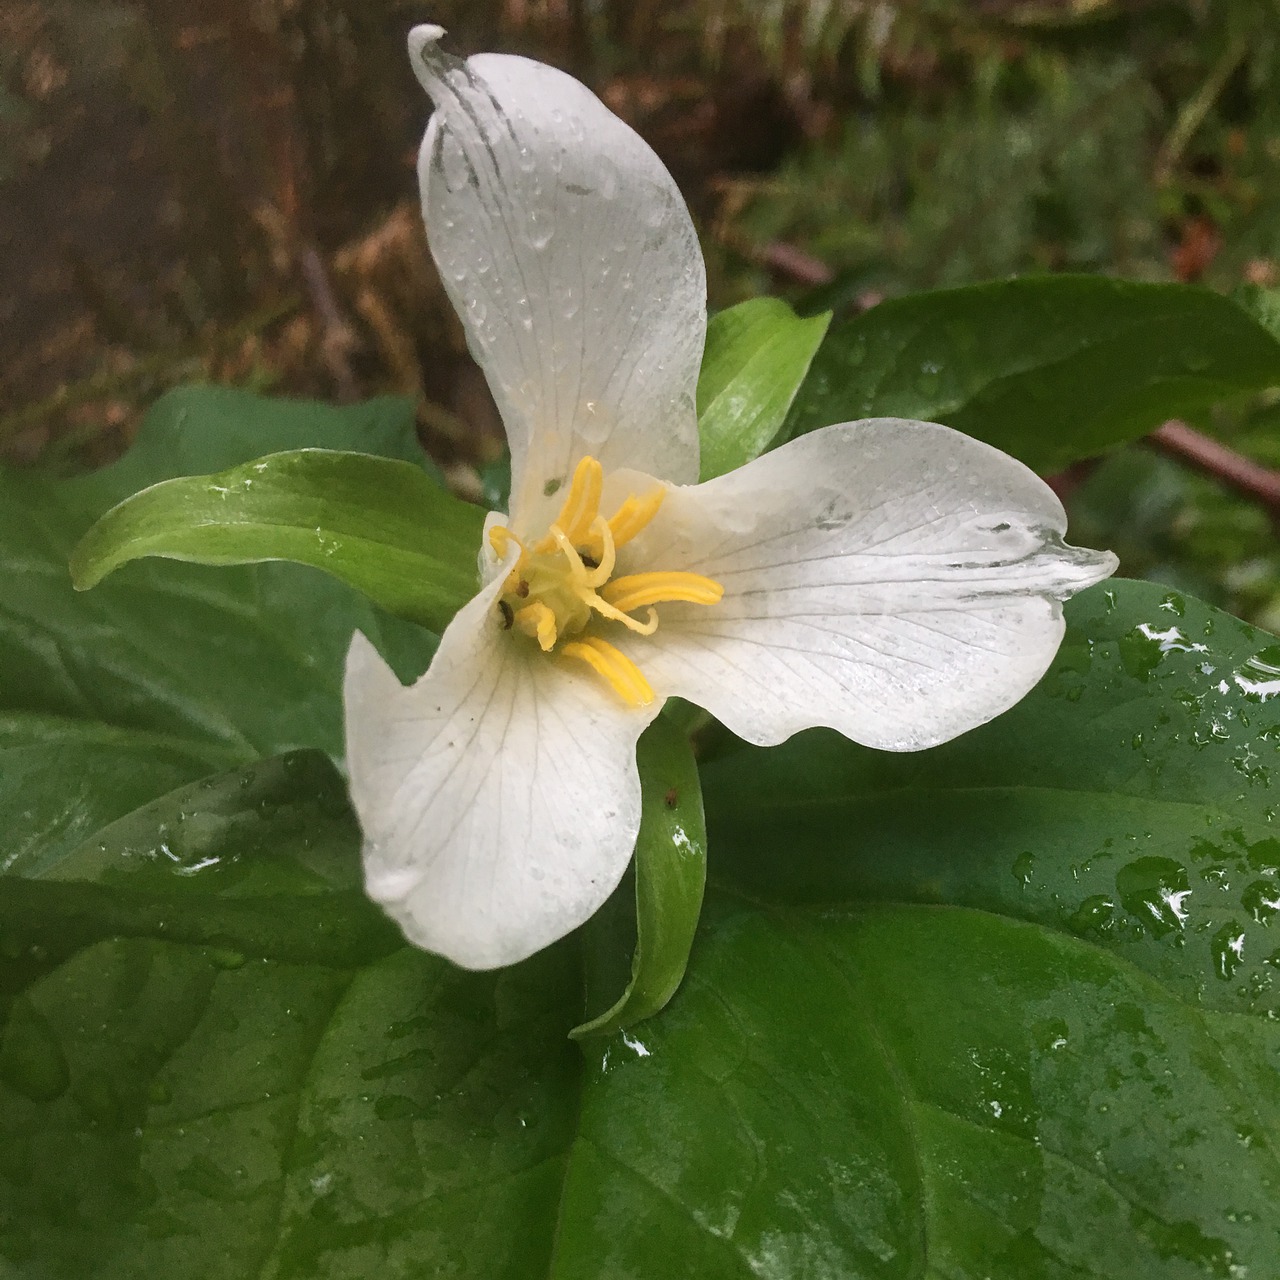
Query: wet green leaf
{"type": "Point", "coordinates": [1126, 802]}
{"type": "Point", "coordinates": [756, 358]}
{"type": "Point", "coordinates": [960, 1014]}
{"type": "Point", "coordinates": [220, 663]}
{"type": "Point", "coordinates": [670, 871]}
{"type": "Point", "coordinates": [61, 779]}
{"type": "Point", "coordinates": [1050, 369]}
{"type": "Point", "coordinates": [911, 1040]}
{"type": "Point", "coordinates": [377, 524]}
{"type": "Point", "coordinates": [194, 430]}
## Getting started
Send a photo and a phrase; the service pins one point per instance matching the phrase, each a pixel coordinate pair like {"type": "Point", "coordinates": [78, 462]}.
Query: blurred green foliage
{"type": "Point", "coordinates": [960, 142]}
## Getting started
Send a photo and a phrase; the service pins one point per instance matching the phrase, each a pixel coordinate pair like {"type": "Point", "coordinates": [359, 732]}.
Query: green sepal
{"type": "Point", "coordinates": [670, 876]}
{"type": "Point", "coordinates": [380, 525]}
{"type": "Point", "coordinates": [756, 358]}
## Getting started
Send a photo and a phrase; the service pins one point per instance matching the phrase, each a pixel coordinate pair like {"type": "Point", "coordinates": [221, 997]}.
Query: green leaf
{"type": "Point", "coordinates": [960, 1013]}
{"type": "Point", "coordinates": [1050, 369]}
{"type": "Point", "coordinates": [63, 779]}
{"type": "Point", "coordinates": [202, 1003]}
{"type": "Point", "coordinates": [1261, 303]}
{"type": "Point", "coordinates": [194, 430]}
{"type": "Point", "coordinates": [911, 1041]}
{"type": "Point", "coordinates": [756, 357]}
{"type": "Point", "coordinates": [670, 875]}
{"type": "Point", "coordinates": [379, 525]}
{"type": "Point", "coordinates": [230, 662]}
{"type": "Point", "coordinates": [1124, 802]}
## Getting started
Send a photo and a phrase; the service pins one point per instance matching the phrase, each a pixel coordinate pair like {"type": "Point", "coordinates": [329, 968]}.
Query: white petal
{"type": "Point", "coordinates": [498, 795]}
{"type": "Point", "coordinates": [569, 253]}
{"type": "Point", "coordinates": [893, 580]}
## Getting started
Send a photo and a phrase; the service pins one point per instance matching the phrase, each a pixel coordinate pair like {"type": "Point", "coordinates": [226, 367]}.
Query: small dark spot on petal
{"type": "Point", "coordinates": [522, 588]}
{"type": "Point", "coordinates": [551, 487]}
{"type": "Point", "coordinates": [508, 616]}
{"type": "Point", "coordinates": [670, 798]}
{"type": "Point", "coordinates": [590, 561]}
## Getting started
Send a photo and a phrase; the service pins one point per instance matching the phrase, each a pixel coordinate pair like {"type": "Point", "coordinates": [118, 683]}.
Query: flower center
{"type": "Point", "coordinates": [563, 584]}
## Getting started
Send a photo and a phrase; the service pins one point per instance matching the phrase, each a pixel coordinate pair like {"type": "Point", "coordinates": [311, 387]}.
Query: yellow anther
{"type": "Point", "coordinates": [636, 590]}
{"type": "Point", "coordinates": [634, 515]}
{"type": "Point", "coordinates": [581, 507]}
{"type": "Point", "coordinates": [500, 539]}
{"type": "Point", "coordinates": [559, 588]}
{"type": "Point", "coordinates": [538, 621]}
{"type": "Point", "coordinates": [614, 665]}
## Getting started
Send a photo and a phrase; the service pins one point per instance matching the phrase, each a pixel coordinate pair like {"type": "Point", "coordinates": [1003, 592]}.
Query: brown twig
{"type": "Point", "coordinates": [795, 264]}
{"type": "Point", "coordinates": [338, 339]}
{"type": "Point", "coordinates": [1248, 478]}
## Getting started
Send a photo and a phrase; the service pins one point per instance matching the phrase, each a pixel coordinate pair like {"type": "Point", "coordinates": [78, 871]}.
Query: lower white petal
{"type": "Point", "coordinates": [498, 795]}
{"type": "Point", "coordinates": [894, 580]}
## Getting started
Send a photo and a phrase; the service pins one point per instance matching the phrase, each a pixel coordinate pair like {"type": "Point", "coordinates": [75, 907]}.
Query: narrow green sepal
{"type": "Point", "coordinates": [757, 355]}
{"type": "Point", "coordinates": [381, 526]}
{"type": "Point", "coordinates": [670, 876]}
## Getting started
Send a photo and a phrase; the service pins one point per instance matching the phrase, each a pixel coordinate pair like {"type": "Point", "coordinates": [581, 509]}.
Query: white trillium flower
{"type": "Point", "coordinates": [895, 581]}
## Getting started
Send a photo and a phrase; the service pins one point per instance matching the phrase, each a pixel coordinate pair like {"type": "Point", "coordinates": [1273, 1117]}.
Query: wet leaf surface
{"type": "Point", "coordinates": [381, 526]}
{"type": "Point", "coordinates": [1051, 369]}
{"type": "Point", "coordinates": [967, 1013]}
{"type": "Point", "coordinates": [910, 1042]}
{"type": "Point", "coordinates": [755, 363]}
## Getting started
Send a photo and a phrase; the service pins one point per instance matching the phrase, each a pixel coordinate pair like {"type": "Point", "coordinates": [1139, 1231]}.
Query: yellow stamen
{"type": "Point", "coordinates": [500, 540]}
{"type": "Point", "coordinates": [540, 622]}
{"type": "Point", "coordinates": [634, 515]}
{"type": "Point", "coordinates": [581, 507]}
{"type": "Point", "coordinates": [614, 665]}
{"type": "Point", "coordinates": [636, 590]}
{"type": "Point", "coordinates": [582, 576]}
{"type": "Point", "coordinates": [559, 582]}
{"type": "Point", "coordinates": [584, 581]}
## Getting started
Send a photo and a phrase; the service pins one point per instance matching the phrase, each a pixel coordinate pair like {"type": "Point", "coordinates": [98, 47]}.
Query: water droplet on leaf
{"type": "Point", "coordinates": [1155, 891]}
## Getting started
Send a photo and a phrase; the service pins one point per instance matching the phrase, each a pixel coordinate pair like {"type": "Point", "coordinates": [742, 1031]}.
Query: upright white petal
{"type": "Point", "coordinates": [568, 252]}
{"type": "Point", "coordinates": [893, 580]}
{"type": "Point", "coordinates": [498, 795]}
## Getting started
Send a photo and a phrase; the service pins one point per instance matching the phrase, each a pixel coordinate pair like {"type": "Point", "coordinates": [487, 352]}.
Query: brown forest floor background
{"type": "Point", "coordinates": [224, 190]}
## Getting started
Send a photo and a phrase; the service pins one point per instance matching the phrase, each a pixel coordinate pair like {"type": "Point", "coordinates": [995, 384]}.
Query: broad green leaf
{"type": "Point", "coordinates": [377, 524]}
{"type": "Point", "coordinates": [62, 779]}
{"type": "Point", "coordinates": [910, 1043]}
{"type": "Point", "coordinates": [240, 1011]}
{"type": "Point", "coordinates": [194, 430]}
{"type": "Point", "coordinates": [1126, 803]}
{"type": "Point", "coordinates": [231, 662]}
{"type": "Point", "coordinates": [1050, 369]}
{"type": "Point", "coordinates": [756, 357]}
{"type": "Point", "coordinates": [670, 875]}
